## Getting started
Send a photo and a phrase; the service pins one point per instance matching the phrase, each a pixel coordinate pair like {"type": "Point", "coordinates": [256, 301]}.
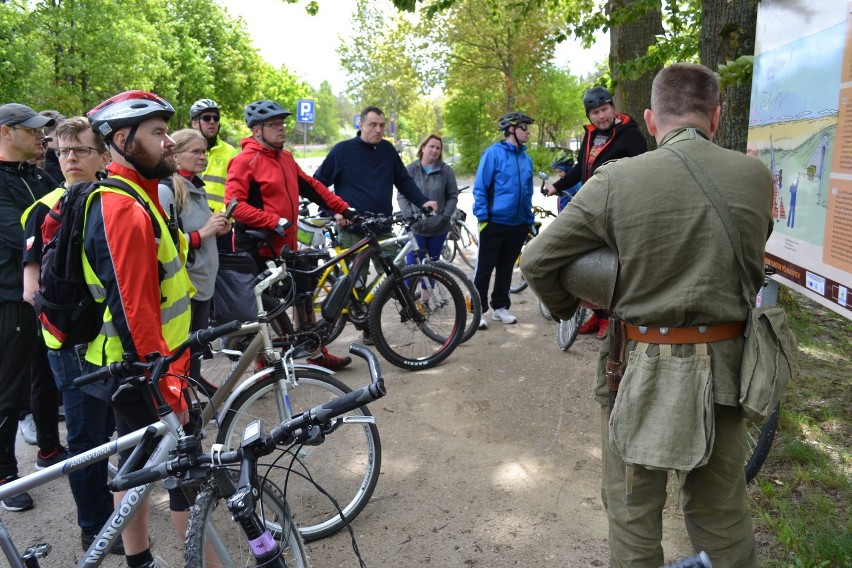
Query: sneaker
{"type": "Point", "coordinates": [87, 538]}
{"type": "Point", "coordinates": [16, 503]}
{"type": "Point", "coordinates": [483, 323]}
{"type": "Point", "coordinates": [591, 325]}
{"type": "Point", "coordinates": [157, 562]}
{"type": "Point", "coordinates": [602, 328]}
{"type": "Point", "coordinates": [53, 457]}
{"type": "Point", "coordinates": [366, 339]}
{"type": "Point", "coordinates": [329, 361]}
{"type": "Point", "coordinates": [28, 429]}
{"type": "Point", "coordinates": [502, 314]}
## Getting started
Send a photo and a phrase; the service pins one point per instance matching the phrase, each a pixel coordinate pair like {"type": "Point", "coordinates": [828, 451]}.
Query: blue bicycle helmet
{"type": "Point", "coordinates": [563, 161]}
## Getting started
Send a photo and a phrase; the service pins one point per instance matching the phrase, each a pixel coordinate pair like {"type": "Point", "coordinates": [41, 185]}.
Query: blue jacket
{"type": "Point", "coordinates": [509, 170]}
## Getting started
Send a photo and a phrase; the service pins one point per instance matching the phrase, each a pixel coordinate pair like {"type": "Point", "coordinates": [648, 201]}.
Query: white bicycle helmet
{"type": "Point", "coordinates": [202, 105]}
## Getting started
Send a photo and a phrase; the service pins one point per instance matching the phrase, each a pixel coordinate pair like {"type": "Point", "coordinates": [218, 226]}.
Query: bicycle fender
{"type": "Point", "coordinates": [255, 378]}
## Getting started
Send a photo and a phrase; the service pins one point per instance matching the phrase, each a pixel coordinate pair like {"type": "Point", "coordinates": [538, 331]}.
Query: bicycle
{"type": "Point", "coordinates": [280, 389]}
{"type": "Point", "coordinates": [411, 331]}
{"type": "Point", "coordinates": [519, 283]}
{"type": "Point", "coordinates": [460, 239]}
{"type": "Point", "coordinates": [160, 438]}
{"type": "Point", "coordinates": [269, 538]}
{"type": "Point", "coordinates": [567, 330]}
{"type": "Point", "coordinates": [473, 304]}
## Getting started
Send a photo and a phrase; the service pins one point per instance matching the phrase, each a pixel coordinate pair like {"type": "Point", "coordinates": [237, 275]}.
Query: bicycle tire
{"type": "Point", "coordinates": [210, 511]}
{"type": "Point", "coordinates": [567, 330]}
{"type": "Point", "coordinates": [347, 465]}
{"type": "Point", "coordinates": [417, 341]}
{"type": "Point", "coordinates": [472, 302]}
{"type": "Point", "coordinates": [519, 282]}
{"type": "Point", "coordinates": [759, 439]}
{"type": "Point", "coordinates": [545, 313]}
{"type": "Point", "coordinates": [448, 253]}
{"type": "Point", "coordinates": [319, 298]}
{"type": "Point", "coordinates": [466, 240]}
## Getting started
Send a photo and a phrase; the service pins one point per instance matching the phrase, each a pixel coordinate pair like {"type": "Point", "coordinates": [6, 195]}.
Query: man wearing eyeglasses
{"type": "Point", "coordinates": [502, 202]}
{"type": "Point", "coordinates": [21, 184]}
{"type": "Point", "coordinates": [204, 115]}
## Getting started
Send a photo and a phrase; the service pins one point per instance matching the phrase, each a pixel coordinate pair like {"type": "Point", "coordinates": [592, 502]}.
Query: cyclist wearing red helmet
{"type": "Point", "coordinates": [140, 278]}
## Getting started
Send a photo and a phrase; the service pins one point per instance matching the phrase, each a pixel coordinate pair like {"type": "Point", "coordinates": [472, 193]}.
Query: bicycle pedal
{"type": "Point", "coordinates": [37, 551]}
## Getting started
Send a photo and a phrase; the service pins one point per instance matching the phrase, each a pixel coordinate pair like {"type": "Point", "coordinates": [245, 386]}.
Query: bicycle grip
{"type": "Point", "coordinates": [207, 335]}
{"type": "Point", "coordinates": [700, 560]}
{"type": "Point", "coordinates": [139, 477]}
{"type": "Point", "coordinates": [102, 374]}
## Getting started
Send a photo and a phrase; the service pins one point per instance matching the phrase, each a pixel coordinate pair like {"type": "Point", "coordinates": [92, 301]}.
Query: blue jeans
{"type": "Point", "coordinates": [90, 423]}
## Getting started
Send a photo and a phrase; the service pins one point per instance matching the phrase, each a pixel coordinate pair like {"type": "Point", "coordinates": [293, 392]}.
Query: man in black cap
{"type": "Point", "coordinates": [21, 184]}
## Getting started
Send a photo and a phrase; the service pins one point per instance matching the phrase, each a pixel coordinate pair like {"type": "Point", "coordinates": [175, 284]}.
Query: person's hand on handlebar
{"type": "Point", "coordinates": [550, 189]}
{"type": "Point", "coordinates": [343, 219]}
{"type": "Point", "coordinates": [433, 205]}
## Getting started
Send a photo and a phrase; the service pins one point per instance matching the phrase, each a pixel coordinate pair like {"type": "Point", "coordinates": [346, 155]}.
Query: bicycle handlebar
{"type": "Point", "coordinates": [286, 432]}
{"type": "Point", "coordinates": [125, 369]}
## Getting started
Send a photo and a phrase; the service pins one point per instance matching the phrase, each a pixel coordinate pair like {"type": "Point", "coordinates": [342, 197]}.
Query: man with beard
{"type": "Point", "coordinates": [141, 280]}
{"type": "Point", "coordinates": [204, 117]}
{"type": "Point", "coordinates": [610, 136]}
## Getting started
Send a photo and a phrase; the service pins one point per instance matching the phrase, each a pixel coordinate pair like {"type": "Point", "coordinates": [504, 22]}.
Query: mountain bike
{"type": "Point", "coordinates": [277, 389]}
{"type": "Point", "coordinates": [473, 304]}
{"type": "Point", "coordinates": [156, 440]}
{"type": "Point", "coordinates": [460, 239]}
{"type": "Point", "coordinates": [268, 538]}
{"type": "Point", "coordinates": [412, 331]}
{"type": "Point", "coordinates": [567, 330]}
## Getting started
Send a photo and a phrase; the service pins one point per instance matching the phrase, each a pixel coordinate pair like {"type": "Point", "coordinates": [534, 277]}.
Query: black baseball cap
{"type": "Point", "coordinates": [14, 114]}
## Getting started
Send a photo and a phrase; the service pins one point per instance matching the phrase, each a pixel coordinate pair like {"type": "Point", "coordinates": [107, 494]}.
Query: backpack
{"type": "Point", "coordinates": [63, 303]}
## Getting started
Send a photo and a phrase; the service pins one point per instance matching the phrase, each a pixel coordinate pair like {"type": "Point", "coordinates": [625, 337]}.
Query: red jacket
{"type": "Point", "coordinates": [267, 184]}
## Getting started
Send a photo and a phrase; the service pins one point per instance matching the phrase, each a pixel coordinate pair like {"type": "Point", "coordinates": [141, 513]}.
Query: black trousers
{"type": "Point", "coordinates": [499, 247]}
{"type": "Point", "coordinates": [18, 338]}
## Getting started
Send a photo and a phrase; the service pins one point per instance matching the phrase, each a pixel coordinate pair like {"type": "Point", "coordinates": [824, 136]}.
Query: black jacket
{"type": "Point", "coordinates": [625, 140]}
{"type": "Point", "coordinates": [21, 185]}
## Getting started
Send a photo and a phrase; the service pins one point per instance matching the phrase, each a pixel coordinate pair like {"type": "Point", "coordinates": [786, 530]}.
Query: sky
{"type": "Point", "coordinates": [285, 34]}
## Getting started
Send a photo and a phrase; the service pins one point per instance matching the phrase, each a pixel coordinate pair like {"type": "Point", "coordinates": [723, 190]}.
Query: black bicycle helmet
{"type": "Point", "coordinates": [563, 161]}
{"type": "Point", "coordinates": [202, 105]}
{"type": "Point", "coordinates": [258, 111]}
{"type": "Point", "coordinates": [595, 97]}
{"type": "Point", "coordinates": [513, 119]}
{"type": "Point", "coordinates": [127, 109]}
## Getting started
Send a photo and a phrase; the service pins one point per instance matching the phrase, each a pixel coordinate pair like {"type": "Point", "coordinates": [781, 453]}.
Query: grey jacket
{"type": "Point", "coordinates": [438, 185]}
{"type": "Point", "coordinates": [202, 264]}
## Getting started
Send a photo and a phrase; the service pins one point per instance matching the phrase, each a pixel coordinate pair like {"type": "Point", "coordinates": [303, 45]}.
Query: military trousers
{"type": "Point", "coordinates": [713, 497]}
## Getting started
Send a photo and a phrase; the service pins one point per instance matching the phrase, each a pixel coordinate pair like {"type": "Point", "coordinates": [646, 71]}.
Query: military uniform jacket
{"type": "Point", "coordinates": [677, 267]}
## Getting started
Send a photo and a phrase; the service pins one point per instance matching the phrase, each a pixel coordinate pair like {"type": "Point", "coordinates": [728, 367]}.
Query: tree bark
{"type": "Point", "coordinates": [728, 32]}
{"type": "Point", "coordinates": [628, 41]}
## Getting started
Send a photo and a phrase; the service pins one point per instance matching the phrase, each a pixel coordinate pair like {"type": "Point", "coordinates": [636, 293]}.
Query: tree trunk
{"type": "Point", "coordinates": [727, 32]}
{"type": "Point", "coordinates": [628, 41]}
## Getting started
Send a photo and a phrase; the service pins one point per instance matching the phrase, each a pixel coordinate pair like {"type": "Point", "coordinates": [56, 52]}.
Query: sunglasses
{"type": "Point", "coordinates": [523, 126]}
{"type": "Point", "coordinates": [209, 117]}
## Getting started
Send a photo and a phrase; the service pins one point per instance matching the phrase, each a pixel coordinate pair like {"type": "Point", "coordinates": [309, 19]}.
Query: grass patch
{"type": "Point", "coordinates": [802, 498]}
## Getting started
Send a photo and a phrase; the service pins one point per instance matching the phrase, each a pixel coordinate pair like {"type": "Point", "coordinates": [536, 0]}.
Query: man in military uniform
{"type": "Point", "coordinates": [678, 293]}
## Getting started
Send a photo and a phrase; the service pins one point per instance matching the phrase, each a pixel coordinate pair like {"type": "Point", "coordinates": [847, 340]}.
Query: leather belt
{"type": "Point", "coordinates": [682, 335]}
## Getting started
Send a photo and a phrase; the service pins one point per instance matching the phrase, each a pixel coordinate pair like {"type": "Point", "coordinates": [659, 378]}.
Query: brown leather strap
{"type": "Point", "coordinates": [682, 335]}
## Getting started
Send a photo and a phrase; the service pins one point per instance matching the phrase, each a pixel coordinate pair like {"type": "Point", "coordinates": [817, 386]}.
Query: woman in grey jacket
{"type": "Point", "coordinates": [183, 195]}
{"type": "Point", "coordinates": [438, 183]}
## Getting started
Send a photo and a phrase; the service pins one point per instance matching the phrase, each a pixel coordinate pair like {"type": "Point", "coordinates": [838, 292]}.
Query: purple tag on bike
{"type": "Point", "coordinates": [263, 544]}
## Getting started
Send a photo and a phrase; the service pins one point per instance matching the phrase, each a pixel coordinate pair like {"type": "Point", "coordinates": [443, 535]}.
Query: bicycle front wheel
{"type": "Point", "coordinates": [519, 282]}
{"type": "Point", "coordinates": [759, 439]}
{"type": "Point", "coordinates": [448, 253]}
{"type": "Point", "coordinates": [472, 303]}
{"type": "Point", "coordinates": [417, 332]}
{"type": "Point", "coordinates": [213, 540]}
{"type": "Point", "coordinates": [465, 241]}
{"type": "Point", "coordinates": [566, 331]}
{"type": "Point", "coordinates": [346, 465]}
